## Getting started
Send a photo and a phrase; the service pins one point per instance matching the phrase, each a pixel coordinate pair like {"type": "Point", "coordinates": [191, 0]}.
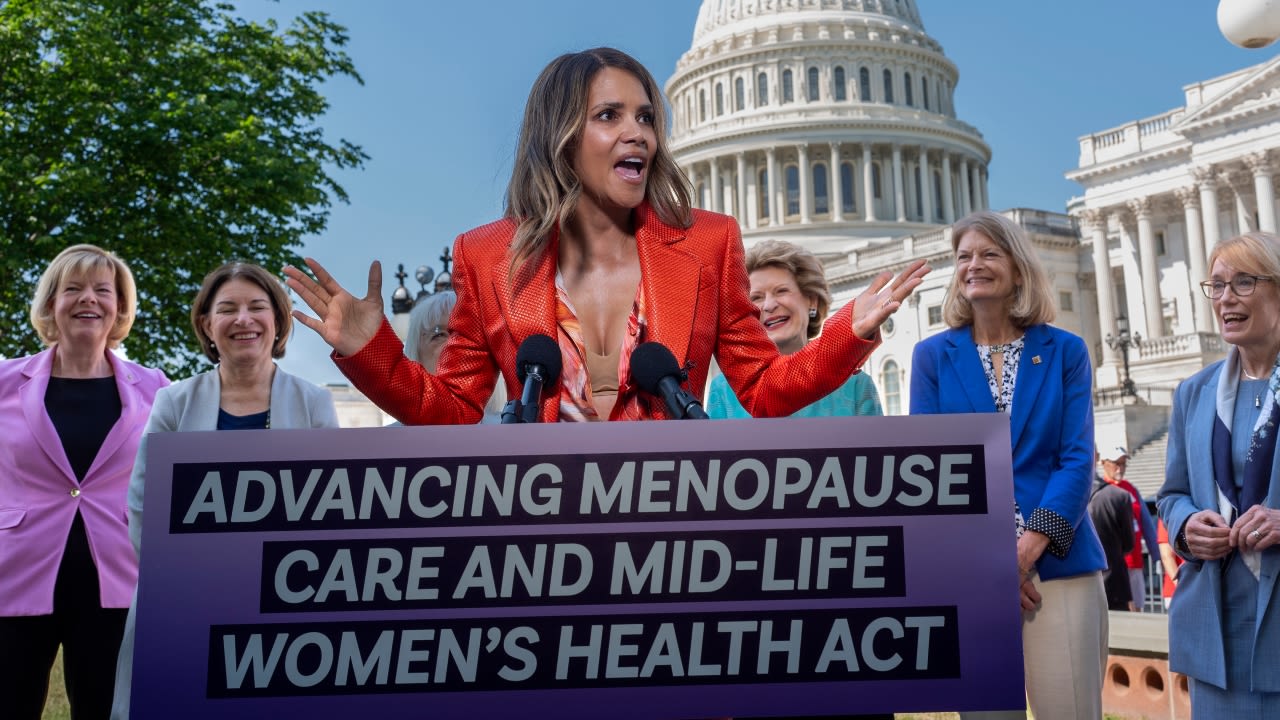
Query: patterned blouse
{"type": "Point", "coordinates": [575, 386]}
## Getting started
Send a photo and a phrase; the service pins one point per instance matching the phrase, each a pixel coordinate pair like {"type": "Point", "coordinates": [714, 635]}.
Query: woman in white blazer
{"type": "Point", "coordinates": [241, 316]}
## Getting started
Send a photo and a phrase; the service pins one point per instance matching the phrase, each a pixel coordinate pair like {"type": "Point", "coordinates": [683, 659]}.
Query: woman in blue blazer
{"type": "Point", "coordinates": [1223, 506]}
{"type": "Point", "coordinates": [1001, 356]}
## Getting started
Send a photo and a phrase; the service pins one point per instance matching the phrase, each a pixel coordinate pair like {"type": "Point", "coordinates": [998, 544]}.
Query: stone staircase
{"type": "Point", "coordinates": [1146, 466]}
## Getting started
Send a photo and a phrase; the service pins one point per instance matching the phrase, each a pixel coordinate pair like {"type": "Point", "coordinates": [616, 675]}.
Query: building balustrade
{"type": "Point", "coordinates": [1130, 138]}
{"type": "Point", "coordinates": [1180, 345]}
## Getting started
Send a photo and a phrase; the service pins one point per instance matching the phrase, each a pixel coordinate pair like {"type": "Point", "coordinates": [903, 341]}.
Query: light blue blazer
{"type": "Point", "coordinates": [1195, 616]}
{"type": "Point", "coordinates": [1051, 427]}
{"type": "Point", "coordinates": [189, 406]}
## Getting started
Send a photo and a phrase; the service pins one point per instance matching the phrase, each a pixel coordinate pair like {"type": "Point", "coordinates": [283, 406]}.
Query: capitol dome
{"type": "Point", "coordinates": [775, 94]}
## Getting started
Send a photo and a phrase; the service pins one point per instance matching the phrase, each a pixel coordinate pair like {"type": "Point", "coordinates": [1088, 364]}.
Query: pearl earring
{"type": "Point", "coordinates": [813, 312]}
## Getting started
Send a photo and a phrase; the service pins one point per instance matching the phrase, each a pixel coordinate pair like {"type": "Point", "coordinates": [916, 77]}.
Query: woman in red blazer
{"type": "Point", "coordinates": [71, 418]}
{"type": "Point", "coordinates": [600, 250]}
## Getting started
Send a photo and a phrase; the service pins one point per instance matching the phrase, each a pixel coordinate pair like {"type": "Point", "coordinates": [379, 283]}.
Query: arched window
{"type": "Point", "coordinates": [841, 93]}
{"type": "Point", "coordinates": [847, 193]}
{"type": "Point", "coordinates": [907, 94]}
{"type": "Point", "coordinates": [719, 99]}
{"type": "Point", "coordinates": [937, 195]}
{"type": "Point", "coordinates": [739, 95]}
{"type": "Point", "coordinates": [891, 386]}
{"type": "Point", "coordinates": [864, 85]}
{"type": "Point", "coordinates": [702, 106]}
{"type": "Point", "coordinates": [820, 195]}
{"type": "Point", "coordinates": [762, 90]}
{"type": "Point", "coordinates": [888, 86]}
{"type": "Point", "coordinates": [793, 190]}
{"type": "Point", "coordinates": [924, 90]}
{"type": "Point", "coordinates": [813, 84]}
{"type": "Point", "coordinates": [762, 193]}
{"type": "Point", "coordinates": [875, 180]}
{"type": "Point", "coordinates": [788, 92]}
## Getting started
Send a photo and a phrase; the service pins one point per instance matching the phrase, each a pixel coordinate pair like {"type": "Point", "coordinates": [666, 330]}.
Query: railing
{"type": "Point", "coordinates": [1130, 138]}
{"type": "Point", "coordinates": [1180, 345]}
{"type": "Point", "coordinates": [1148, 395]}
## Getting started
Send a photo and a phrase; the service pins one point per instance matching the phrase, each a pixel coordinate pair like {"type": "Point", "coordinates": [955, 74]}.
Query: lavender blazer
{"type": "Point", "coordinates": [39, 495]}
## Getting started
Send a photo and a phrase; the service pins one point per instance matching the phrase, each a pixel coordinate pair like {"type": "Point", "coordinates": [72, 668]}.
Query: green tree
{"type": "Point", "coordinates": [170, 132]}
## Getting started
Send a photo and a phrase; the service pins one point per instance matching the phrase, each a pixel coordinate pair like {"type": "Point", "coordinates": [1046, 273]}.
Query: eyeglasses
{"type": "Point", "coordinates": [1241, 285]}
{"type": "Point", "coordinates": [436, 334]}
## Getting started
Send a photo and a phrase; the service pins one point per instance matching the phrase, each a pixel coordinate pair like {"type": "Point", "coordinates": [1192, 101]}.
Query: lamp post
{"type": "Point", "coordinates": [1122, 341]}
{"type": "Point", "coordinates": [1249, 24]}
{"type": "Point", "coordinates": [403, 300]}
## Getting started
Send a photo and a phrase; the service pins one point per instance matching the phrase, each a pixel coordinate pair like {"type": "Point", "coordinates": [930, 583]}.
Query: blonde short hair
{"type": "Point", "coordinates": [80, 261]}
{"type": "Point", "coordinates": [431, 311]}
{"type": "Point", "coordinates": [280, 306]}
{"type": "Point", "coordinates": [804, 266]}
{"type": "Point", "coordinates": [1032, 300]}
{"type": "Point", "coordinates": [1256, 253]}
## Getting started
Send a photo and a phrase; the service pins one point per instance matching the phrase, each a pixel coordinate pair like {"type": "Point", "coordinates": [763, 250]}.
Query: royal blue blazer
{"type": "Point", "coordinates": [1051, 427]}
{"type": "Point", "coordinates": [1196, 645]}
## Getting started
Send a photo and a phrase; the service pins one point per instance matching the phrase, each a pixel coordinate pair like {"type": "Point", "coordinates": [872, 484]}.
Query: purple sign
{"type": "Point", "coordinates": [640, 570]}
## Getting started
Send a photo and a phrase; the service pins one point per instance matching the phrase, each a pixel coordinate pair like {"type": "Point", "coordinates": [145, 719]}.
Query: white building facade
{"type": "Point", "coordinates": [830, 123]}
{"type": "Point", "coordinates": [820, 121]}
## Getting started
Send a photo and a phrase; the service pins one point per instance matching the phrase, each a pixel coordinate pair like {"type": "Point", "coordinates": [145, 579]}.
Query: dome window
{"type": "Point", "coordinates": [813, 84]}
{"type": "Point", "coordinates": [846, 188]}
{"type": "Point", "coordinates": [888, 86]}
{"type": "Point", "coordinates": [793, 190]}
{"type": "Point", "coordinates": [820, 195]}
{"type": "Point", "coordinates": [719, 99]}
{"type": "Point", "coordinates": [788, 92]}
{"type": "Point", "coordinates": [864, 85]}
{"type": "Point", "coordinates": [762, 90]}
{"type": "Point", "coordinates": [739, 95]}
{"type": "Point", "coordinates": [906, 90]}
{"type": "Point", "coordinates": [841, 93]}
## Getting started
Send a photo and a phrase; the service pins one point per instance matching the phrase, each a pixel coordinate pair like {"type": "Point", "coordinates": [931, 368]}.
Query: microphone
{"type": "Point", "coordinates": [656, 371]}
{"type": "Point", "coordinates": [538, 364]}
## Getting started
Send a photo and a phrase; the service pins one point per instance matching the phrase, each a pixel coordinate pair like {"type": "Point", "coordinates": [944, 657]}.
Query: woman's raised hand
{"type": "Point", "coordinates": [345, 322]}
{"type": "Point", "coordinates": [883, 298]}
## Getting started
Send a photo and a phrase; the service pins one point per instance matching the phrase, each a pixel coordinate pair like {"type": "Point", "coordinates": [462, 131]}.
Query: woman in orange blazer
{"type": "Point", "coordinates": [599, 250]}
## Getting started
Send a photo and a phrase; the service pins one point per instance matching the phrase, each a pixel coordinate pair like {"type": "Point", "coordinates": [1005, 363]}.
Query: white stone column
{"type": "Point", "coordinates": [1095, 223]}
{"type": "Point", "coordinates": [1207, 183]}
{"type": "Point", "coordinates": [806, 191]}
{"type": "Point", "coordinates": [771, 169]}
{"type": "Point", "coordinates": [983, 186]}
{"type": "Point", "coordinates": [1260, 166]}
{"type": "Point", "coordinates": [965, 207]}
{"type": "Point", "coordinates": [1196, 257]}
{"type": "Point", "coordinates": [835, 188]}
{"type": "Point", "coordinates": [926, 186]}
{"type": "Point", "coordinates": [694, 179]}
{"type": "Point", "coordinates": [899, 198]}
{"type": "Point", "coordinates": [741, 171]}
{"type": "Point", "coordinates": [975, 186]}
{"type": "Point", "coordinates": [717, 195]}
{"type": "Point", "coordinates": [1141, 209]}
{"type": "Point", "coordinates": [948, 202]}
{"type": "Point", "coordinates": [1135, 309]}
{"type": "Point", "coordinates": [868, 186]}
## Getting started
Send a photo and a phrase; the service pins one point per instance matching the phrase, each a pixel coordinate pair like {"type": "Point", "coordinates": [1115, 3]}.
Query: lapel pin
{"type": "Point", "coordinates": [1035, 360]}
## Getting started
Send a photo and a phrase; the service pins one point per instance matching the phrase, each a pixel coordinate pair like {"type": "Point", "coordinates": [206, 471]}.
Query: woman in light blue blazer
{"type": "Point", "coordinates": [1223, 506]}
{"type": "Point", "coordinates": [241, 316]}
{"type": "Point", "coordinates": [1000, 355]}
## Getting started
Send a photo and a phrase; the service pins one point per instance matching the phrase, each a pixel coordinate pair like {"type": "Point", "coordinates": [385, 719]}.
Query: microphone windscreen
{"type": "Point", "coordinates": [543, 351]}
{"type": "Point", "coordinates": [650, 363]}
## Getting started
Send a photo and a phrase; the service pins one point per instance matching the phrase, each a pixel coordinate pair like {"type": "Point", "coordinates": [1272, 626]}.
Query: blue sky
{"type": "Point", "coordinates": [445, 85]}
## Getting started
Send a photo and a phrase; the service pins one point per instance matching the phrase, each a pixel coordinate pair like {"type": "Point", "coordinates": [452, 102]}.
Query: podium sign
{"type": "Point", "coordinates": [652, 570]}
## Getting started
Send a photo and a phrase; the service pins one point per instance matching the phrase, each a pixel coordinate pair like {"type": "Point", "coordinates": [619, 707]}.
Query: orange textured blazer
{"type": "Point", "coordinates": [696, 303]}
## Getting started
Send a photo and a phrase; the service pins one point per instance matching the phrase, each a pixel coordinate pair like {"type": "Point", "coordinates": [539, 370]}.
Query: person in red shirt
{"type": "Point", "coordinates": [1115, 460]}
{"type": "Point", "coordinates": [1172, 562]}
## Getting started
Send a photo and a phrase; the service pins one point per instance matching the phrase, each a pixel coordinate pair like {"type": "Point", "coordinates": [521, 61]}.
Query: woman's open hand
{"type": "Point", "coordinates": [883, 298]}
{"type": "Point", "coordinates": [345, 322]}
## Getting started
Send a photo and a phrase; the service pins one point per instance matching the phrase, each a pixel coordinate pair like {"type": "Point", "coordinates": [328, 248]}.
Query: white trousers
{"type": "Point", "coordinates": [1064, 652]}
